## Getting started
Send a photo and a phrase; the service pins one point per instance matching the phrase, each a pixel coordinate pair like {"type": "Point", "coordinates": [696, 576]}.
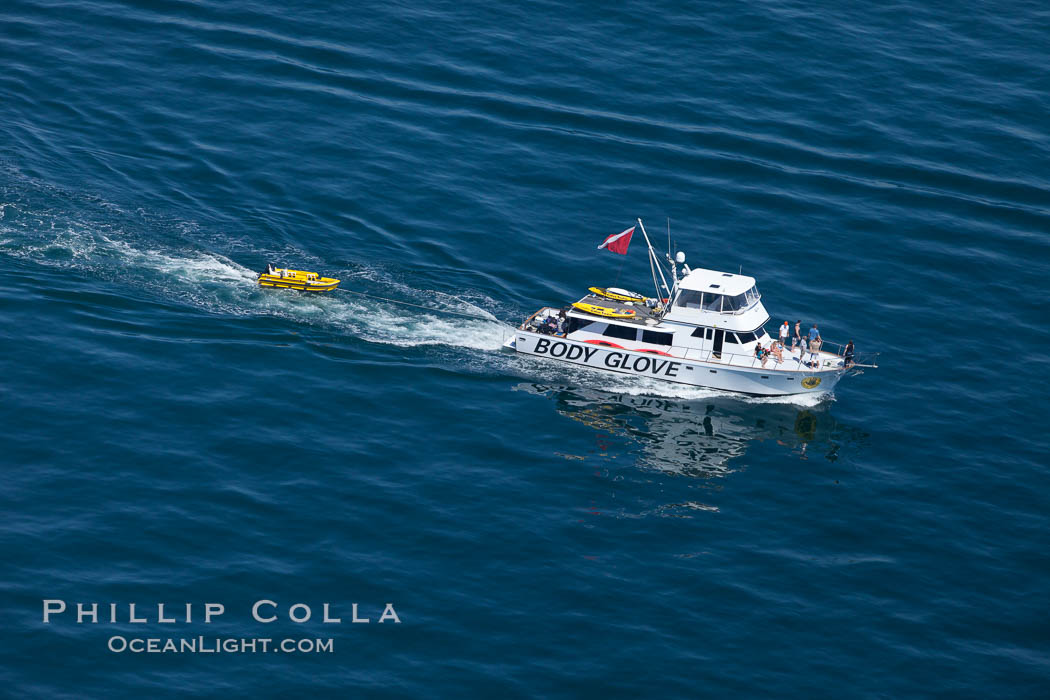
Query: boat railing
{"type": "Point", "coordinates": [743, 359]}
{"type": "Point", "coordinates": [863, 359]}
{"type": "Point", "coordinates": [788, 363]}
{"type": "Point", "coordinates": [525, 320]}
{"type": "Point", "coordinates": [832, 347]}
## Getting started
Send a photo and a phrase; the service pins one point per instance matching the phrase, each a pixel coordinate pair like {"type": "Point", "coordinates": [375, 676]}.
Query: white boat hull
{"type": "Point", "coordinates": [759, 381]}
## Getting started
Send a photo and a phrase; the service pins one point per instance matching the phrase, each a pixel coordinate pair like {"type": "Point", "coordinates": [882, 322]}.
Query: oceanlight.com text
{"type": "Point", "coordinates": [218, 645]}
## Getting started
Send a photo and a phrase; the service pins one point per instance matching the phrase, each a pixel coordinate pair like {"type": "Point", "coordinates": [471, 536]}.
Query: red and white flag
{"type": "Point", "coordinates": [618, 242]}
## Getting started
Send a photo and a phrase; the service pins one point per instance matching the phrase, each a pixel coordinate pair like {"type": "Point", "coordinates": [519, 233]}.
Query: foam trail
{"type": "Point", "coordinates": [215, 283]}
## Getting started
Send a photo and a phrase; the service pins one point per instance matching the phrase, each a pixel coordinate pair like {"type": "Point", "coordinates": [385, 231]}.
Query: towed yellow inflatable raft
{"type": "Point", "coordinates": [296, 279]}
{"type": "Point", "coordinates": [603, 311]}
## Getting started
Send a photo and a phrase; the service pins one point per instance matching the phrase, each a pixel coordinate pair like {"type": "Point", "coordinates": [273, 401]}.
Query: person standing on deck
{"type": "Point", "coordinates": [813, 334]}
{"type": "Point", "coordinates": [798, 335]}
{"type": "Point", "coordinates": [785, 330]}
{"type": "Point", "coordinates": [801, 349]}
{"type": "Point", "coordinates": [847, 355]}
{"type": "Point", "coordinates": [814, 353]}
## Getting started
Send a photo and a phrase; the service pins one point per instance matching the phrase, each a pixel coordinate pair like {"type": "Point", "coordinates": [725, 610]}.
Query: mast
{"type": "Point", "coordinates": [654, 264]}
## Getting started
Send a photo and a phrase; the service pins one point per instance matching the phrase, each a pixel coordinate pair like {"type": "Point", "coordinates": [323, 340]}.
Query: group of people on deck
{"type": "Point", "coordinates": [552, 325]}
{"type": "Point", "coordinates": [808, 346]}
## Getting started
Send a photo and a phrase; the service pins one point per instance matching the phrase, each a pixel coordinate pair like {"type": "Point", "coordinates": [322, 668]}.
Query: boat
{"type": "Point", "coordinates": [704, 328]}
{"type": "Point", "coordinates": [301, 280]}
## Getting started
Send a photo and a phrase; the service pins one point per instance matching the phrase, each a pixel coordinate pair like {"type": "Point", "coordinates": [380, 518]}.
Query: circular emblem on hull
{"type": "Point", "coordinates": [811, 382]}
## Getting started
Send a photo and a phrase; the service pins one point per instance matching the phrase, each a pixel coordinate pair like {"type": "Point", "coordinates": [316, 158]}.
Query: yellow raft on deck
{"type": "Point", "coordinates": [603, 311]}
{"type": "Point", "coordinates": [616, 294]}
{"type": "Point", "coordinates": [296, 279]}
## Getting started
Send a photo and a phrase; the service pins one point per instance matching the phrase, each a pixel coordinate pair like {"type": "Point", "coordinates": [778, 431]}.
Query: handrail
{"type": "Point", "coordinates": [863, 359]}
{"type": "Point", "coordinates": [859, 358]}
{"type": "Point", "coordinates": [726, 358]}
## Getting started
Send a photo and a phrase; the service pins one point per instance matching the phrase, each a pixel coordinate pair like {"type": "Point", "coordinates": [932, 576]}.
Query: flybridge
{"type": "Point", "coordinates": [704, 290]}
{"type": "Point", "coordinates": [700, 289]}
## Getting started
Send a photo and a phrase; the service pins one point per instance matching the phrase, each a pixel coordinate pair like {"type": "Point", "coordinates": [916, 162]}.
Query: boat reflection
{"type": "Point", "coordinates": [704, 437]}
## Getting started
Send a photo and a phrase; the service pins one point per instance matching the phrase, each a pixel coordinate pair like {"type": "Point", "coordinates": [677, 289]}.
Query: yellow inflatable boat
{"type": "Point", "coordinates": [616, 294]}
{"type": "Point", "coordinates": [604, 311]}
{"type": "Point", "coordinates": [296, 279]}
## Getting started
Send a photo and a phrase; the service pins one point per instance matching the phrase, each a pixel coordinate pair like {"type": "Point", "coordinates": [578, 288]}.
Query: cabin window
{"type": "Point", "coordinates": [657, 338]}
{"type": "Point", "coordinates": [621, 332]}
{"type": "Point", "coordinates": [730, 304]}
{"type": "Point", "coordinates": [580, 324]}
{"type": "Point", "coordinates": [718, 303]}
{"type": "Point", "coordinates": [731, 338]}
{"type": "Point", "coordinates": [746, 338]}
{"type": "Point", "coordinates": [689, 299]}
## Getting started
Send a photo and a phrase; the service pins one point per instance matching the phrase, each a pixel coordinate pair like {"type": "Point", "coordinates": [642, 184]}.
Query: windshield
{"type": "Point", "coordinates": [719, 303]}
{"type": "Point", "coordinates": [736, 303]}
{"type": "Point", "coordinates": [688, 299]}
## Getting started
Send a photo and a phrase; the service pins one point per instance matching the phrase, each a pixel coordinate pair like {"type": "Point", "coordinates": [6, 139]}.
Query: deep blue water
{"type": "Point", "coordinates": [172, 433]}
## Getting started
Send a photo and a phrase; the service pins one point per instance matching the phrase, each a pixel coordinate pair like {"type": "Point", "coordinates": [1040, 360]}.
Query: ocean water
{"type": "Point", "coordinates": [171, 433]}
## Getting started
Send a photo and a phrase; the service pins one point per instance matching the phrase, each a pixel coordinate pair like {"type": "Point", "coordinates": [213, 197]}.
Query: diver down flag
{"type": "Point", "coordinates": [618, 242]}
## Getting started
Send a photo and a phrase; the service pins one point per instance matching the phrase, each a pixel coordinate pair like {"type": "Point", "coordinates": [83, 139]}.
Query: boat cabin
{"type": "Point", "coordinates": [709, 296]}
{"type": "Point", "coordinates": [710, 314]}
